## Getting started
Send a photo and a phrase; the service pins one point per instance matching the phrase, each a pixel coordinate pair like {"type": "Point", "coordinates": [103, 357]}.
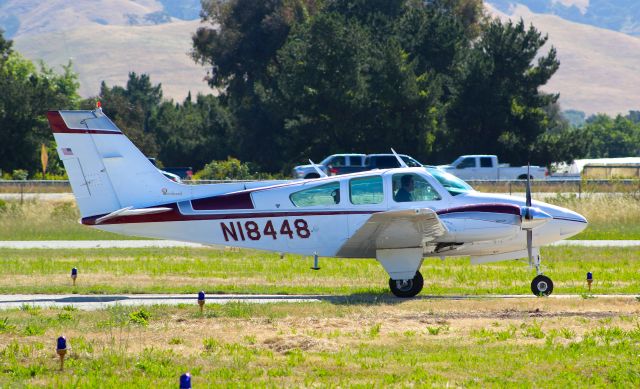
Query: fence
{"type": "Point", "coordinates": [495, 186]}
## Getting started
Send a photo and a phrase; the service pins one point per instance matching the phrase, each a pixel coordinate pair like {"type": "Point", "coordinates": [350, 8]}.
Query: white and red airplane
{"type": "Point", "coordinates": [398, 216]}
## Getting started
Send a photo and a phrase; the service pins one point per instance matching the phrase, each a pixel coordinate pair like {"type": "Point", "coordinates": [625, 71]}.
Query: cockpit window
{"type": "Point", "coordinates": [408, 187]}
{"type": "Point", "coordinates": [366, 190]}
{"type": "Point", "coordinates": [327, 194]}
{"type": "Point", "coordinates": [451, 183]}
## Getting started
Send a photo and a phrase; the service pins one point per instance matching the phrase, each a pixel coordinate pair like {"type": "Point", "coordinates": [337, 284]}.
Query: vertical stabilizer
{"type": "Point", "coordinates": [106, 170]}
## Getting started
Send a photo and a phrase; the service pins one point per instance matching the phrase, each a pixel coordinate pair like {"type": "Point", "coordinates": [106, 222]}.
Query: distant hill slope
{"type": "Point", "coordinates": [598, 67]}
{"type": "Point", "coordinates": [618, 15]}
{"type": "Point", "coordinates": [109, 53]}
{"type": "Point", "coordinates": [106, 39]}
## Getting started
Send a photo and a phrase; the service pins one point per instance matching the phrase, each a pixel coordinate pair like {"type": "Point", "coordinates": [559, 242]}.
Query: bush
{"type": "Point", "coordinates": [231, 169]}
{"type": "Point", "coordinates": [19, 174]}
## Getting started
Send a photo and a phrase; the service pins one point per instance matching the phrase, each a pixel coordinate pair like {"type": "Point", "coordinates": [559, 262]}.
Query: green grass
{"type": "Point", "coordinates": [47, 220]}
{"type": "Point", "coordinates": [298, 345]}
{"type": "Point", "coordinates": [189, 270]}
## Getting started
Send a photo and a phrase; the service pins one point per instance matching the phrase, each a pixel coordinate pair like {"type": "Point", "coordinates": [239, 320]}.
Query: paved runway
{"type": "Point", "coordinates": [94, 302]}
{"type": "Point", "coordinates": [96, 244]}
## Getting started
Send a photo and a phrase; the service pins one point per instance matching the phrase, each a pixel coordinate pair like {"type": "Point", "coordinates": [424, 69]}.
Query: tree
{"type": "Point", "coordinates": [192, 133]}
{"type": "Point", "coordinates": [27, 93]}
{"type": "Point", "coordinates": [240, 46]}
{"type": "Point", "coordinates": [131, 109]}
{"type": "Point", "coordinates": [499, 109]}
{"type": "Point", "coordinates": [345, 89]}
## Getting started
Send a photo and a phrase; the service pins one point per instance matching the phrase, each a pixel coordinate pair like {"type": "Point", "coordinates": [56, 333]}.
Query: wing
{"type": "Point", "coordinates": [406, 228]}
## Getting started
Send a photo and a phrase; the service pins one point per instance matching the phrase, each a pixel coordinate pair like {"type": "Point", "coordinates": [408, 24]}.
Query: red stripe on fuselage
{"type": "Point", "coordinates": [175, 216]}
{"type": "Point", "coordinates": [510, 209]}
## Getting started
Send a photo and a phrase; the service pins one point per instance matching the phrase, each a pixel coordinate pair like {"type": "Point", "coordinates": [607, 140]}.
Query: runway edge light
{"type": "Point", "coordinates": [185, 381]}
{"type": "Point", "coordinates": [74, 275]}
{"type": "Point", "coordinates": [589, 280]}
{"type": "Point", "coordinates": [61, 350]}
{"type": "Point", "coordinates": [201, 300]}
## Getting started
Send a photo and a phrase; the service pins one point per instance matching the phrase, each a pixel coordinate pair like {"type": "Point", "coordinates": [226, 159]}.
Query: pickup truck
{"type": "Point", "coordinates": [486, 167]}
{"type": "Point", "coordinates": [337, 164]}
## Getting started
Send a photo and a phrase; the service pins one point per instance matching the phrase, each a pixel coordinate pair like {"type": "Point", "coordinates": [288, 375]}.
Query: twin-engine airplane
{"type": "Point", "coordinates": [399, 216]}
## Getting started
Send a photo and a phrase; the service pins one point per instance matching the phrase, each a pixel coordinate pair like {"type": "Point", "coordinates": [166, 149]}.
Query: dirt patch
{"type": "Point", "coordinates": [283, 344]}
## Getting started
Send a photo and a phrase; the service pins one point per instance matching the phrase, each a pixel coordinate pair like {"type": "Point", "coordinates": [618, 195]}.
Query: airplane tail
{"type": "Point", "coordinates": [106, 170]}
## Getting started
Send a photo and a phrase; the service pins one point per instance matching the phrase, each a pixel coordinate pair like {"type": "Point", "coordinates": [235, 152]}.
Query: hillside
{"type": "Point", "coordinates": [617, 15]}
{"type": "Point", "coordinates": [110, 52]}
{"type": "Point", "coordinates": [599, 67]}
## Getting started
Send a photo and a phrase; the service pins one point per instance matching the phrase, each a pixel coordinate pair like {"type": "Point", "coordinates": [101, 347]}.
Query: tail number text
{"type": "Point", "coordinates": [250, 230]}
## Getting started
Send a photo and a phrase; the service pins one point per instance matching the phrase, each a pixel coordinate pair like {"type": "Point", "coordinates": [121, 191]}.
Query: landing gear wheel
{"type": "Point", "coordinates": [407, 288]}
{"type": "Point", "coordinates": [542, 285]}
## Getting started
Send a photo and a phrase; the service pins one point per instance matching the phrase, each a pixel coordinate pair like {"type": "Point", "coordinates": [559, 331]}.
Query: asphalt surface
{"type": "Point", "coordinates": [95, 302]}
{"type": "Point", "coordinates": [106, 244]}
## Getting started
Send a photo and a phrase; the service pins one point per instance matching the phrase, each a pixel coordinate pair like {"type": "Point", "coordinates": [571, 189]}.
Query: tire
{"type": "Point", "coordinates": [311, 175]}
{"type": "Point", "coordinates": [524, 177]}
{"type": "Point", "coordinates": [542, 286]}
{"type": "Point", "coordinates": [407, 288]}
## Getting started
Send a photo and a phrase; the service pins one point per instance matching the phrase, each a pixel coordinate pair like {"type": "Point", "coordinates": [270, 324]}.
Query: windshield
{"type": "Point", "coordinates": [451, 183]}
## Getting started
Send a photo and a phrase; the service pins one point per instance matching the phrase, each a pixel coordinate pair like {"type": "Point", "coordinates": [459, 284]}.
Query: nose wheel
{"type": "Point", "coordinates": [407, 288]}
{"type": "Point", "coordinates": [542, 285]}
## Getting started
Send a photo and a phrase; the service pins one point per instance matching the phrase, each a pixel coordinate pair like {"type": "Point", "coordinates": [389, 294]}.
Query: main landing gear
{"type": "Point", "coordinates": [407, 288]}
{"type": "Point", "coordinates": [541, 284]}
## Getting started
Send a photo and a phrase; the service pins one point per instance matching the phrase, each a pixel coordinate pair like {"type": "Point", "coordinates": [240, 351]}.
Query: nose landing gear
{"type": "Point", "coordinates": [407, 288]}
{"type": "Point", "coordinates": [541, 284]}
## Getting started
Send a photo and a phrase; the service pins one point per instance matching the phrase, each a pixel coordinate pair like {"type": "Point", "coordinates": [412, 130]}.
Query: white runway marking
{"type": "Point", "coordinates": [107, 244]}
{"type": "Point", "coordinates": [94, 302]}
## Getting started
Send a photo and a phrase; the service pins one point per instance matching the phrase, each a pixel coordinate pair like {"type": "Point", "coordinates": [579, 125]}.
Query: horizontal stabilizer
{"type": "Point", "coordinates": [130, 211]}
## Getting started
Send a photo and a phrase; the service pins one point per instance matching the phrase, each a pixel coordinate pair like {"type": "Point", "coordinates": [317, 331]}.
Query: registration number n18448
{"type": "Point", "coordinates": [251, 230]}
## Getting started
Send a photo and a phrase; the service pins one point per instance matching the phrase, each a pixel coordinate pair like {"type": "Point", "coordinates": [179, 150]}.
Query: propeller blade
{"type": "Point", "coordinates": [530, 245]}
{"type": "Point", "coordinates": [528, 186]}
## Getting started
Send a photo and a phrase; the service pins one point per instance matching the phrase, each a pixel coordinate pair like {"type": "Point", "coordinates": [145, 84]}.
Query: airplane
{"type": "Point", "coordinates": [398, 216]}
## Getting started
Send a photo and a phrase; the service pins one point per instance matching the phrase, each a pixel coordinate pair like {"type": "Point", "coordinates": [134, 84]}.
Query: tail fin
{"type": "Point", "coordinates": [106, 171]}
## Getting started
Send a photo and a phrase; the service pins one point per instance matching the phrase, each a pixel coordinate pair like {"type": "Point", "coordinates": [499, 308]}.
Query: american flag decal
{"type": "Point", "coordinates": [67, 151]}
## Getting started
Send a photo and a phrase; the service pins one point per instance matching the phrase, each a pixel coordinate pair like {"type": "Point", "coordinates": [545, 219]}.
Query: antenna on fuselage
{"type": "Point", "coordinates": [320, 172]}
{"type": "Point", "coordinates": [400, 161]}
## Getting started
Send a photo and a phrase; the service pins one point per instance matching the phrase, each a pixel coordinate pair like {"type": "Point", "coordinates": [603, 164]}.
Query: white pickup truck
{"type": "Point", "coordinates": [486, 167]}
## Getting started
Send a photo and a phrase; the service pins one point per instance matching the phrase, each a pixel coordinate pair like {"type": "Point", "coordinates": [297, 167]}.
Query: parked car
{"type": "Point", "coordinates": [486, 167]}
{"type": "Point", "coordinates": [337, 164]}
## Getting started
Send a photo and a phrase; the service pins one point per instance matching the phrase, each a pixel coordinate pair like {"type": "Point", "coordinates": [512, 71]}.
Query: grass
{"type": "Point", "coordinates": [326, 344]}
{"type": "Point", "coordinates": [610, 217]}
{"type": "Point", "coordinates": [46, 220]}
{"type": "Point", "coordinates": [189, 270]}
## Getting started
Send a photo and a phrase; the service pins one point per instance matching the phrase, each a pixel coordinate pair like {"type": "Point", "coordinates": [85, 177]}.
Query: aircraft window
{"type": "Point", "coordinates": [366, 190]}
{"type": "Point", "coordinates": [451, 183]}
{"type": "Point", "coordinates": [327, 194]}
{"type": "Point", "coordinates": [409, 187]}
